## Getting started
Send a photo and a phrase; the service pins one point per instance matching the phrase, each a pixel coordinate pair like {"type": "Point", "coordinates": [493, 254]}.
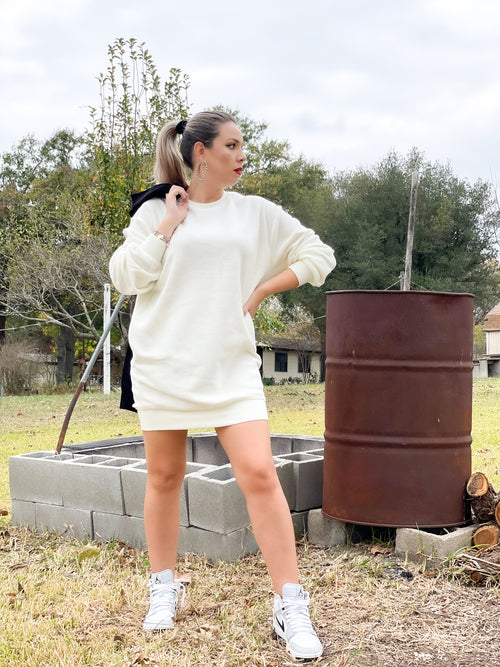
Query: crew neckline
{"type": "Point", "coordinates": [210, 204]}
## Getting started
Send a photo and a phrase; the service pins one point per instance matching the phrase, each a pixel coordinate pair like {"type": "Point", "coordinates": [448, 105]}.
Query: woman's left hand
{"type": "Point", "coordinates": [281, 282]}
{"type": "Point", "coordinates": [253, 303]}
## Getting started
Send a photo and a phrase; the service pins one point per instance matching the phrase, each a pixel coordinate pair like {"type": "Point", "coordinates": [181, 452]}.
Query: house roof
{"type": "Point", "coordinates": [492, 319]}
{"type": "Point", "coordinates": [290, 344]}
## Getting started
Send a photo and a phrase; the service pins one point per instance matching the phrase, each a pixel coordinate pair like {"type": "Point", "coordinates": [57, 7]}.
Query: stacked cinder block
{"type": "Point", "coordinates": [97, 490]}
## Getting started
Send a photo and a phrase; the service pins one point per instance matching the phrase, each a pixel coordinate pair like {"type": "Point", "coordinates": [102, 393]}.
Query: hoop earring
{"type": "Point", "coordinates": [205, 167]}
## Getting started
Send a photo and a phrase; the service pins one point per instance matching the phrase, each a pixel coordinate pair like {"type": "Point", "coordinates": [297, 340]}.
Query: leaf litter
{"type": "Point", "coordinates": [86, 603]}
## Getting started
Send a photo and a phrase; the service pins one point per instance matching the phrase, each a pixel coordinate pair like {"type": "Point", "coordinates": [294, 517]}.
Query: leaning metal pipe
{"type": "Point", "coordinates": [87, 372]}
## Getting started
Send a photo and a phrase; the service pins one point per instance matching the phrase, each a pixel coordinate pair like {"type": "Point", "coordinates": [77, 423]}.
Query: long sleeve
{"type": "Point", "coordinates": [136, 265]}
{"type": "Point", "coordinates": [298, 248]}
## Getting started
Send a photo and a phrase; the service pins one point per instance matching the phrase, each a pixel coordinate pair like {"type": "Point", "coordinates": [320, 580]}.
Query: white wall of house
{"type": "Point", "coordinates": [268, 365]}
{"type": "Point", "coordinates": [492, 342]}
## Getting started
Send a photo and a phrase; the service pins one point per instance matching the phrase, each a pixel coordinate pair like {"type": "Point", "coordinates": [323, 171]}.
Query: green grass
{"type": "Point", "coordinates": [33, 423]}
{"type": "Point", "coordinates": [486, 429]}
{"type": "Point", "coordinates": [69, 603]}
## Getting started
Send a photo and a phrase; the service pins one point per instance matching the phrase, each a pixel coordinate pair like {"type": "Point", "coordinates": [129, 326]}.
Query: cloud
{"type": "Point", "coordinates": [344, 82]}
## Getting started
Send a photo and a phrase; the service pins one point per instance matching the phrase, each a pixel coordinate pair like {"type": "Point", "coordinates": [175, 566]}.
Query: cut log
{"type": "Point", "coordinates": [477, 485]}
{"type": "Point", "coordinates": [497, 511]}
{"type": "Point", "coordinates": [486, 535]}
{"type": "Point", "coordinates": [482, 495]}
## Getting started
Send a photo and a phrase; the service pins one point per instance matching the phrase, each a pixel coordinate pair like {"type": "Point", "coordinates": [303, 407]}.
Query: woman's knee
{"type": "Point", "coordinates": [259, 480]}
{"type": "Point", "coordinates": [165, 479]}
{"type": "Point", "coordinates": [166, 459]}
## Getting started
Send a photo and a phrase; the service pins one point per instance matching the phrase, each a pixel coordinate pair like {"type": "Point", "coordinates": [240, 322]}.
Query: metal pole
{"type": "Point", "coordinates": [87, 372]}
{"type": "Point", "coordinates": [106, 352]}
{"type": "Point", "coordinates": [411, 228]}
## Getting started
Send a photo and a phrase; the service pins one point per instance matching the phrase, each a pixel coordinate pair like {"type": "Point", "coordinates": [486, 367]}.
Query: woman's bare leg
{"type": "Point", "coordinates": [166, 462]}
{"type": "Point", "coordinates": [248, 446]}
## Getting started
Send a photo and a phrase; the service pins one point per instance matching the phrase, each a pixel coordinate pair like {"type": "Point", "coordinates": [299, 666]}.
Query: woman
{"type": "Point", "coordinates": [200, 261]}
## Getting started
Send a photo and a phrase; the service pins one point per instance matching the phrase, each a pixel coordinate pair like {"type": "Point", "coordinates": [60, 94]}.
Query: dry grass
{"type": "Point", "coordinates": [64, 603]}
{"type": "Point", "coordinates": [69, 604]}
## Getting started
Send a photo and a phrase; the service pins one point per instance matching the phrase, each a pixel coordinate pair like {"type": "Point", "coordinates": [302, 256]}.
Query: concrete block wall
{"type": "Point", "coordinates": [97, 490]}
{"type": "Point", "coordinates": [307, 479]}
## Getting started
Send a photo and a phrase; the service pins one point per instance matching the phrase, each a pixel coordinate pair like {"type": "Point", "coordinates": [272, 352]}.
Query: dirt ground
{"type": "Point", "coordinates": [66, 603]}
{"type": "Point", "coordinates": [372, 609]}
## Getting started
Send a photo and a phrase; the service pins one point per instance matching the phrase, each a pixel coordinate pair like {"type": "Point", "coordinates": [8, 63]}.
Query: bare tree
{"type": "Point", "coordinates": [306, 337]}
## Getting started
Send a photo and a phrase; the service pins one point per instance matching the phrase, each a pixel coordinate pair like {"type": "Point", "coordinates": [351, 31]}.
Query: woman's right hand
{"type": "Point", "coordinates": [176, 208]}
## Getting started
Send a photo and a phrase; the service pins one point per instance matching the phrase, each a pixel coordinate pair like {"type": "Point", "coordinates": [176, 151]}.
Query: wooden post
{"type": "Point", "coordinates": [411, 229]}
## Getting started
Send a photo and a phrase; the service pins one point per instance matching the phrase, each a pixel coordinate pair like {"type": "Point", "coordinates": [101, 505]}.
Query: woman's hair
{"type": "Point", "coordinates": [171, 162]}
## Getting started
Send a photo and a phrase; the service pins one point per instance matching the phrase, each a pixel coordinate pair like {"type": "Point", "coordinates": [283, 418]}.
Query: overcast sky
{"type": "Point", "coordinates": [344, 81]}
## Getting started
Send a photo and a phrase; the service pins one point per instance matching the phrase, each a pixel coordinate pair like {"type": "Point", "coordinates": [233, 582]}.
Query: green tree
{"type": "Point", "coordinates": [134, 105]}
{"type": "Point", "coordinates": [33, 176]}
{"type": "Point", "coordinates": [454, 233]}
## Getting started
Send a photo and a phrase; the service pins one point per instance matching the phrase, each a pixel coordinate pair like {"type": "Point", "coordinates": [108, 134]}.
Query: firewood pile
{"type": "Point", "coordinates": [485, 505]}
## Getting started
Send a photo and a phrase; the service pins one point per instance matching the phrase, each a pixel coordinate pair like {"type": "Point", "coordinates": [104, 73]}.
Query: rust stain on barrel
{"type": "Point", "coordinates": [398, 407]}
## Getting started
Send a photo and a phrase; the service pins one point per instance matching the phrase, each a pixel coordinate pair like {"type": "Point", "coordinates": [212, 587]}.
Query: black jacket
{"type": "Point", "coordinates": [138, 199]}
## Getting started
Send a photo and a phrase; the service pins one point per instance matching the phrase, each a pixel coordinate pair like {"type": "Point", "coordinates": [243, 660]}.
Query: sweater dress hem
{"type": "Point", "coordinates": [164, 420]}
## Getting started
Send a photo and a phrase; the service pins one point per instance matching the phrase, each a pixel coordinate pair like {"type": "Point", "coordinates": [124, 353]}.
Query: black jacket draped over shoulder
{"type": "Point", "coordinates": [138, 199]}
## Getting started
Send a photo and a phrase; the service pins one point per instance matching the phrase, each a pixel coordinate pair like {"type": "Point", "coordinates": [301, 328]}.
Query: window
{"type": "Point", "coordinates": [281, 362]}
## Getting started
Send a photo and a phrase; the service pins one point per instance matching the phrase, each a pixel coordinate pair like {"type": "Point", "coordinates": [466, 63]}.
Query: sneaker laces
{"type": "Point", "coordinates": [167, 595]}
{"type": "Point", "coordinates": [296, 613]}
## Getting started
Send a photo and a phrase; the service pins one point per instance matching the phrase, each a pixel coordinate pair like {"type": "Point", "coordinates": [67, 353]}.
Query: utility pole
{"type": "Point", "coordinates": [411, 229]}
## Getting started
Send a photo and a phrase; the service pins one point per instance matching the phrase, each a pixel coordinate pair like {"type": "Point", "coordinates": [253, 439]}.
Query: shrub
{"type": "Point", "coordinates": [17, 368]}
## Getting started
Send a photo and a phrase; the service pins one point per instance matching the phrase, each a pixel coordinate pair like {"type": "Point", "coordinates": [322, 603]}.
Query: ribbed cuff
{"type": "Point", "coordinates": [300, 271]}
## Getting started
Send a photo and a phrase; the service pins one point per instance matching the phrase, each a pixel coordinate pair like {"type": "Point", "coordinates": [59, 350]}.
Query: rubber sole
{"type": "Point", "coordinates": [281, 635]}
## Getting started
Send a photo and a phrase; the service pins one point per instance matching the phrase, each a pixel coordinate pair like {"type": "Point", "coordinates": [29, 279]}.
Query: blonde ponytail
{"type": "Point", "coordinates": [171, 162]}
{"type": "Point", "coordinates": [169, 165]}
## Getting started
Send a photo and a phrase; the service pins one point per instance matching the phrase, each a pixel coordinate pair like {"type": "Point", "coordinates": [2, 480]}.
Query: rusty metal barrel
{"type": "Point", "coordinates": [398, 408]}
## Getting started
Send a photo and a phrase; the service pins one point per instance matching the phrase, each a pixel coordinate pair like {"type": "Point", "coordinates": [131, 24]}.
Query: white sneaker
{"type": "Point", "coordinates": [164, 596]}
{"type": "Point", "coordinates": [292, 623]}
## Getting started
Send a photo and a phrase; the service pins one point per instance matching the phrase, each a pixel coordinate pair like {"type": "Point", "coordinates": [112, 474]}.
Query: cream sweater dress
{"type": "Point", "coordinates": [194, 362]}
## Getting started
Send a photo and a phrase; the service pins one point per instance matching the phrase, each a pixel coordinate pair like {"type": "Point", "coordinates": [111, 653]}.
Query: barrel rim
{"type": "Point", "coordinates": [393, 292]}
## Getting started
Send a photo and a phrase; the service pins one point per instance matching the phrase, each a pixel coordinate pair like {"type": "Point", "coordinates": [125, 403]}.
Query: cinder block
{"type": "Point", "coordinates": [419, 544]}
{"type": "Point", "coordinates": [129, 446]}
{"type": "Point", "coordinates": [317, 452]}
{"type": "Point", "coordinates": [299, 520]}
{"type": "Point", "coordinates": [125, 450]}
{"type": "Point", "coordinates": [208, 450]}
{"type": "Point", "coordinates": [216, 546]}
{"type": "Point", "coordinates": [323, 531]}
{"type": "Point", "coordinates": [126, 529]}
{"type": "Point", "coordinates": [192, 469]}
{"type": "Point", "coordinates": [130, 531]}
{"type": "Point", "coordinates": [54, 518]}
{"type": "Point", "coordinates": [122, 447]}
{"type": "Point", "coordinates": [184, 544]}
{"type": "Point", "coordinates": [308, 480]}
{"type": "Point", "coordinates": [286, 477]}
{"type": "Point", "coordinates": [134, 479]}
{"type": "Point", "coordinates": [281, 444]}
{"type": "Point", "coordinates": [37, 477]}
{"type": "Point", "coordinates": [306, 443]}
{"type": "Point", "coordinates": [216, 502]}
{"type": "Point", "coordinates": [23, 513]}
{"type": "Point", "coordinates": [94, 483]}
{"type": "Point", "coordinates": [189, 449]}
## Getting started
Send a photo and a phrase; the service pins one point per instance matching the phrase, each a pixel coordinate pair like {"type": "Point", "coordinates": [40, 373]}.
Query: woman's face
{"type": "Point", "coordinates": [225, 158]}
